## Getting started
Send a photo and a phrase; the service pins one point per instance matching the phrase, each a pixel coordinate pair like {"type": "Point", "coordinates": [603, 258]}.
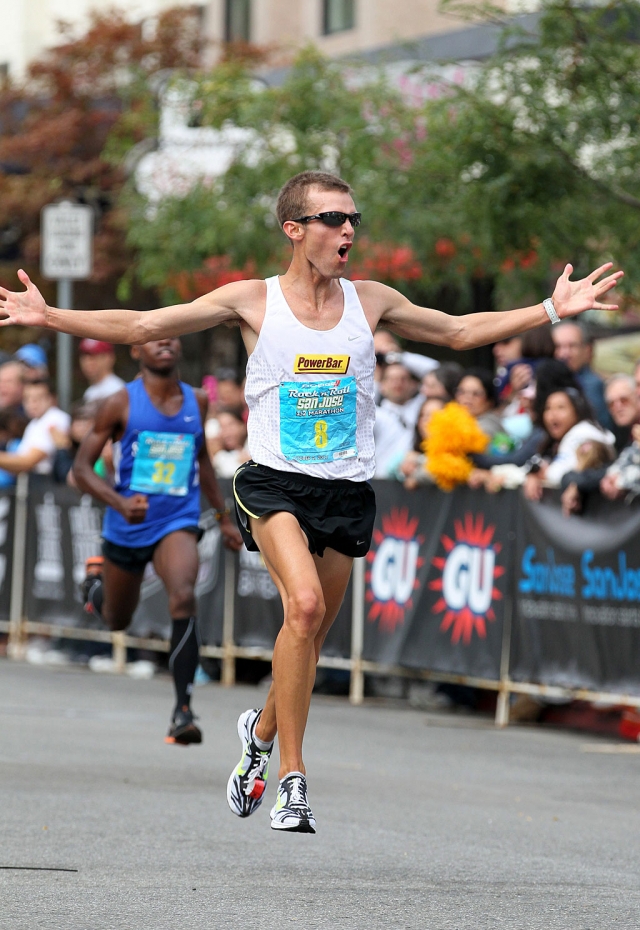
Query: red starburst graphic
{"type": "Point", "coordinates": [463, 620]}
{"type": "Point", "coordinates": [394, 562]}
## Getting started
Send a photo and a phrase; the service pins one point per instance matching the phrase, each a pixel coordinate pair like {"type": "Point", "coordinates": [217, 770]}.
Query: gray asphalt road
{"type": "Point", "coordinates": [424, 821]}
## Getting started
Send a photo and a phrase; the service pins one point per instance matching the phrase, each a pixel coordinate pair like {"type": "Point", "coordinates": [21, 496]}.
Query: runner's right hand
{"type": "Point", "coordinates": [134, 508]}
{"type": "Point", "coordinates": [24, 308]}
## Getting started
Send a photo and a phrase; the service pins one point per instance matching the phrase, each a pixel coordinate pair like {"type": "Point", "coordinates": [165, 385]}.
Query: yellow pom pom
{"type": "Point", "coordinates": [453, 435]}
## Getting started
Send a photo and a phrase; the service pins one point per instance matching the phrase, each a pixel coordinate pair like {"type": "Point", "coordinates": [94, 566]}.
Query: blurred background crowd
{"type": "Point", "coordinates": [545, 417]}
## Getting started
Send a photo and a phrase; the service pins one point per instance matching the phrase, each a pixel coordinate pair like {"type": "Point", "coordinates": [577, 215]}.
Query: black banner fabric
{"type": "Point", "coordinates": [7, 518]}
{"type": "Point", "coordinates": [64, 529]}
{"type": "Point", "coordinates": [577, 596]}
{"type": "Point", "coordinates": [436, 580]}
{"type": "Point", "coordinates": [442, 573]}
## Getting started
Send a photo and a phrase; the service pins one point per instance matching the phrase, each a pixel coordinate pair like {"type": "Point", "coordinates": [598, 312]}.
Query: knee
{"type": "Point", "coordinates": [305, 612]}
{"type": "Point", "coordinates": [182, 600]}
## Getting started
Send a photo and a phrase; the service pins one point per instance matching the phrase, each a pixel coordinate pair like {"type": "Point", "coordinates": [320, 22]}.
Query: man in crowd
{"type": "Point", "coordinates": [97, 361]}
{"type": "Point", "coordinates": [34, 362]}
{"type": "Point", "coordinates": [389, 351]}
{"type": "Point", "coordinates": [305, 501]}
{"type": "Point", "coordinates": [623, 398]}
{"type": "Point", "coordinates": [153, 511]}
{"type": "Point", "coordinates": [506, 354]}
{"type": "Point", "coordinates": [37, 448]}
{"type": "Point", "coordinates": [11, 385]}
{"type": "Point", "coordinates": [574, 347]}
{"type": "Point", "coordinates": [396, 416]}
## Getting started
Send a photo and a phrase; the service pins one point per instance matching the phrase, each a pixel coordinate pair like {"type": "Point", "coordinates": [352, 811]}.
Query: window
{"type": "Point", "coordinates": [237, 23]}
{"type": "Point", "coordinates": [337, 15]}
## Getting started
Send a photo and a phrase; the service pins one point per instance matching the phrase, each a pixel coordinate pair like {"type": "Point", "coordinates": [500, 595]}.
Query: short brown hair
{"type": "Point", "coordinates": [292, 199]}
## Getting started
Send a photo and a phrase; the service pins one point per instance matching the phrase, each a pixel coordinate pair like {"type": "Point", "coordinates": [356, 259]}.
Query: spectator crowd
{"type": "Point", "coordinates": [547, 417]}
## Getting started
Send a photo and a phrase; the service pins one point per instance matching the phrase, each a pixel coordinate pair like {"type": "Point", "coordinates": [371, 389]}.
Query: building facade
{"type": "Point", "coordinates": [411, 28]}
{"type": "Point", "coordinates": [31, 26]}
{"type": "Point", "coordinates": [337, 27]}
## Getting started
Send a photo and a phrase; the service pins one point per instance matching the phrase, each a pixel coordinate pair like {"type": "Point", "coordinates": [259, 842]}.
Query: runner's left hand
{"type": "Point", "coordinates": [231, 537]}
{"type": "Point", "coordinates": [573, 297]}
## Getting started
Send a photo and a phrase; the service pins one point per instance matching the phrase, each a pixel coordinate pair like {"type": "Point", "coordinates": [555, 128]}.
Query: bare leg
{"type": "Point", "coordinates": [121, 593]}
{"type": "Point", "coordinates": [176, 563]}
{"type": "Point", "coordinates": [312, 590]}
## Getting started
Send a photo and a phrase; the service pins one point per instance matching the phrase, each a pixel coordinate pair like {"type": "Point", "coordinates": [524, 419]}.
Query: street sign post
{"type": "Point", "coordinates": [66, 256]}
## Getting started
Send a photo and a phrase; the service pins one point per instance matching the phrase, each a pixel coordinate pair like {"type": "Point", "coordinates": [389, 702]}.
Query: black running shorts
{"type": "Point", "coordinates": [135, 558]}
{"type": "Point", "coordinates": [333, 513]}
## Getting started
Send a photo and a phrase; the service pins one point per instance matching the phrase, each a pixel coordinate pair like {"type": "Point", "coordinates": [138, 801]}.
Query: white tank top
{"type": "Point", "coordinates": [310, 392]}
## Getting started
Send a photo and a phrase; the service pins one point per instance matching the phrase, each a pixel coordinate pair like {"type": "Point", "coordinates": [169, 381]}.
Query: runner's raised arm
{"type": "Point", "coordinates": [476, 329]}
{"type": "Point", "coordinates": [133, 327]}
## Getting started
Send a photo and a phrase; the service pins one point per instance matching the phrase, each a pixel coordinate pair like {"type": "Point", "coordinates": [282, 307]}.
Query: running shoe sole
{"type": "Point", "coordinates": [188, 735]}
{"type": "Point", "coordinates": [304, 826]}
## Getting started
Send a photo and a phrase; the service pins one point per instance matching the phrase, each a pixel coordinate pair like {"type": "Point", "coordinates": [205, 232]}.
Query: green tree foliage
{"type": "Point", "coordinates": [529, 164]}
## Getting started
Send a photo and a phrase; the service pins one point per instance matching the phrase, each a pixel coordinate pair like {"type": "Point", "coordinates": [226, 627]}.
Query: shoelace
{"type": "Point", "coordinates": [256, 770]}
{"type": "Point", "coordinates": [298, 796]}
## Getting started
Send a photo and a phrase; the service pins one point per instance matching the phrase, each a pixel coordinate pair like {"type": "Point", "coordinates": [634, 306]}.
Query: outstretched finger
{"type": "Point", "coordinates": [24, 277]}
{"type": "Point", "coordinates": [599, 306]}
{"type": "Point", "coordinates": [607, 283]}
{"type": "Point", "coordinates": [596, 274]}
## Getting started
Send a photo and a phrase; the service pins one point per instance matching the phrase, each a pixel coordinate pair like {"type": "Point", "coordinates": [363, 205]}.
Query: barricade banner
{"type": "Point", "coordinates": [441, 570]}
{"type": "Point", "coordinates": [64, 529]}
{"type": "Point", "coordinates": [577, 596]}
{"type": "Point", "coordinates": [436, 580]}
{"type": "Point", "coordinates": [7, 517]}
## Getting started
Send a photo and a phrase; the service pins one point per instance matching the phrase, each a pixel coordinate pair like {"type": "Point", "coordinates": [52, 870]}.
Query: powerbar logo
{"type": "Point", "coordinates": [333, 364]}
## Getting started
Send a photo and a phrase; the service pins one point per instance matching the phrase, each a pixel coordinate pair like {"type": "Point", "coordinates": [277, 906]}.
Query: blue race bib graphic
{"type": "Point", "coordinates": [318, 420]}
{"type": "Point", "coordinates": [162, 463]}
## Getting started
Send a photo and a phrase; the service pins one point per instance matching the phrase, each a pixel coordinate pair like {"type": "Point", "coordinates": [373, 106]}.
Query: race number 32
{"type": "Point", "coordinates": [163, 472]}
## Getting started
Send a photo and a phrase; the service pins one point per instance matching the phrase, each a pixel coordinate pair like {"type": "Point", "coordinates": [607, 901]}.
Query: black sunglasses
{"type": "Point", "coordinates": [333, 218]}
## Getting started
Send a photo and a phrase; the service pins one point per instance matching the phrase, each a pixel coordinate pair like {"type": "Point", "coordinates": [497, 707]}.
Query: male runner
{"type": "Point", "coordinates": [305, 500]}
{"type": "Point", "coordinates": [156, 423]}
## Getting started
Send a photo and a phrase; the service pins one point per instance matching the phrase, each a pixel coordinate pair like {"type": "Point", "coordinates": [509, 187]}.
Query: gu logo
{"type": "Point", "coordinates": [467, 581]}
{"type": "Point", "coordinates": [394, 563]}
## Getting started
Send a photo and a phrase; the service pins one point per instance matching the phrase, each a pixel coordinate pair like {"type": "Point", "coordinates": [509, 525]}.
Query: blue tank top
{"type": "Point", "coordinates": [157, 456]}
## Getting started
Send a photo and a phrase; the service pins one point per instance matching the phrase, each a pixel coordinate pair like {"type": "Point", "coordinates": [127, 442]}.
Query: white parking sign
{"type": "Point", "coordinates": [67, 232]}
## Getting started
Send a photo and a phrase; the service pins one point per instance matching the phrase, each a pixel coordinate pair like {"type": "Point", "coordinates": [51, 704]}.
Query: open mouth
{"type": "Point", "coordinates": [344, 249]}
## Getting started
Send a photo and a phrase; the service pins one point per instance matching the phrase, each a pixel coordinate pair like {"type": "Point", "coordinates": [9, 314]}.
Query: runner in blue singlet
{"type": "Point", "coordinates": [156, 423]}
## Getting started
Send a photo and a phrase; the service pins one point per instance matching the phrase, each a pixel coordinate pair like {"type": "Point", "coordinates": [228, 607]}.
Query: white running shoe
{"type": "Point", "coordinates": [291, 811]}
{"type": "Point", "coordinates": [248, 781]}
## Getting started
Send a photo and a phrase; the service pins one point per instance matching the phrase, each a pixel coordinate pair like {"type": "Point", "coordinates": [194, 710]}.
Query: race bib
{"type": "Point", "coordinates": [318, 420]}
{"type": "Point", "coordinates": [162, 463]}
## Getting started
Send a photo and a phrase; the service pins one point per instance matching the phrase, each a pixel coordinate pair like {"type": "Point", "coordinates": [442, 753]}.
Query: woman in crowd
{"type": "Point", "coordinates": [442, 381]}
{"type": "Point", "coordinates": [412, 470]}
{"type": "Point", "coordinates": [568, 422]}
{"type": "Point", "coordinates": [478, 394]}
